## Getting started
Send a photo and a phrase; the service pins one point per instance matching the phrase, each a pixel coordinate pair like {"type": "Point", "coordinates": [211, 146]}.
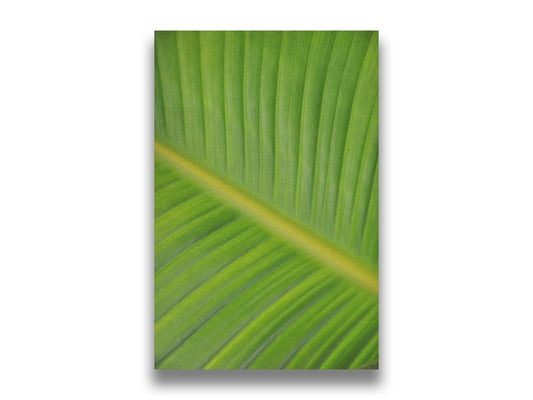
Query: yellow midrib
{"type": "Point", "coordinates": [297, 235]}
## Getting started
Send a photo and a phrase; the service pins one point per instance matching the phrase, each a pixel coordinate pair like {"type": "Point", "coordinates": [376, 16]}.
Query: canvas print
{"type": "Point", "coordinates": [266, 200]}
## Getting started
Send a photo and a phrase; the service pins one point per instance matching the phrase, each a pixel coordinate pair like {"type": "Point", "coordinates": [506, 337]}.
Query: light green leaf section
{"type": "Point", "coordinates": [266, 200]}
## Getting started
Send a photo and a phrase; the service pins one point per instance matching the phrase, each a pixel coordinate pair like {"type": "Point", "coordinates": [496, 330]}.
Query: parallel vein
{"type": "Point", "coordinates": [289, 230]}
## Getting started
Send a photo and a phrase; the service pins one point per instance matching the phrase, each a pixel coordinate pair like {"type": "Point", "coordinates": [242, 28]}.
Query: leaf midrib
{"type": "Point", "coordinates": [297, 235]}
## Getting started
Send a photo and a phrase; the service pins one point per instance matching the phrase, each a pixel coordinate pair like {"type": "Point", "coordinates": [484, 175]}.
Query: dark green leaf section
{"type": "Point", "coordinates": [229, 294]}
{"type": "Point", "coordinates": [289, 117]}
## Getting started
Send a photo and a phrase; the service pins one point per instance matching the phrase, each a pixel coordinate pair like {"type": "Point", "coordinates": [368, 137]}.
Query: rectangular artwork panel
{"type": "Point", "coordinates": [266, 200]}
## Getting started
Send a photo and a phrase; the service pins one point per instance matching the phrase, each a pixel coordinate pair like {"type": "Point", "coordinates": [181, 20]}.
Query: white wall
{"type": "Point", "coordinates": [456, 199]}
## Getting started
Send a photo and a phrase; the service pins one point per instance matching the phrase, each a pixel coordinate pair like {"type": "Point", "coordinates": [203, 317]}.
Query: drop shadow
{"type": "Point", "coordinates": [266, 377]}
{"type": "Point", "coordinates": [382, 240]}
{"type": "Point", "coordinates": [243, 378]}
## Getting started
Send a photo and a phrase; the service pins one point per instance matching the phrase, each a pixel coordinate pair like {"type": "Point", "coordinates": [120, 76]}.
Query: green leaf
{"type": "Point", "coordinates": [266, 200]}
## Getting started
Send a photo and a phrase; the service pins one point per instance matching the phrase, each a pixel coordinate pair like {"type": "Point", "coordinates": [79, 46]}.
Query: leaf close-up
{"type": "Point", "coordinates": [266, 200]}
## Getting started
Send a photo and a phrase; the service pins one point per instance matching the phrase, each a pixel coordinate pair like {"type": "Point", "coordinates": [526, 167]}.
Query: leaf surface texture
{"type": "Point", "coordinates": [266, 200]}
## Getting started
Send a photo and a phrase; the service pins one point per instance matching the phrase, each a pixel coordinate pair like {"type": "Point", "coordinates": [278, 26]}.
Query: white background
{"type": "Point", "coordinates": [76, 199]}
